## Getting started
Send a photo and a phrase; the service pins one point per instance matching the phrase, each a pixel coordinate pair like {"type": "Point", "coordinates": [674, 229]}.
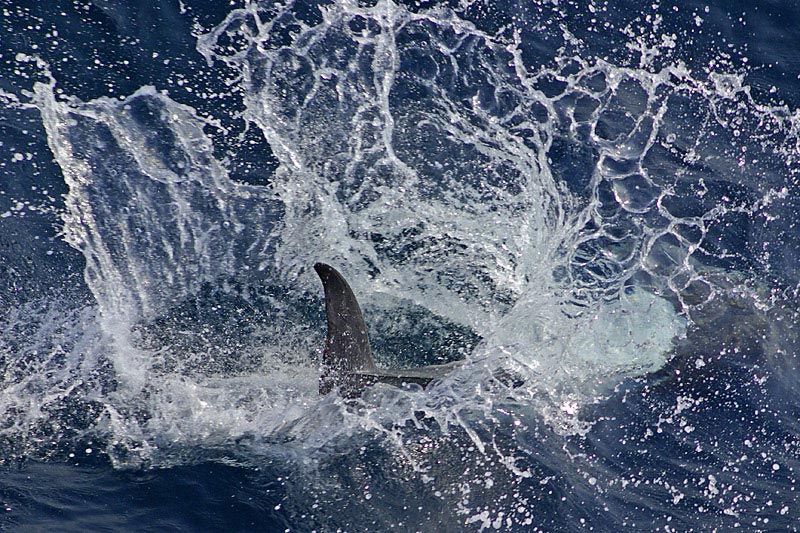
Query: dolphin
{"type": "Point", "coordinates": [347, 363]}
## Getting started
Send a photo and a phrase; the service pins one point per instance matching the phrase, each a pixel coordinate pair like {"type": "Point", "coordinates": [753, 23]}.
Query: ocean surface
{"type": "Point", "coordinates": [595, 205]}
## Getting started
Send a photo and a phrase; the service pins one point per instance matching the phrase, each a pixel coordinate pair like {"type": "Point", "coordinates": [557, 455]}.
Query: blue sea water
{"type": "Point", "coordinates": [594, 204]}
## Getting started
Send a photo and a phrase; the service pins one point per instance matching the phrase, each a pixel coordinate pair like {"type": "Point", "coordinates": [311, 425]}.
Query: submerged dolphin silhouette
{"type": "Point", "coordinates": [347, 363]}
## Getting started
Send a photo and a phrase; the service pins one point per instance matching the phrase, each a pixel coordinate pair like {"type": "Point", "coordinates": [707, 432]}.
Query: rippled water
{"type": "Point", "coordinates": [595, 206]}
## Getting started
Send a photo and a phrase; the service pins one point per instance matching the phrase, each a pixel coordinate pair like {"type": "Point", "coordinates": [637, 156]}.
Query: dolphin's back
{"type": "Point", "coordinates": [347, 362]}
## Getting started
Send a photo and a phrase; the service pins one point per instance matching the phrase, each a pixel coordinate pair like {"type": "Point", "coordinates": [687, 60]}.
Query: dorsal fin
{"type": "Point", "coordinates": [347, 344]}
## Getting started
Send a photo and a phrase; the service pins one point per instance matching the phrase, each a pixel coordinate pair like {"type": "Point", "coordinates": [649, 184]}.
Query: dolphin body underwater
{"type": "Point", "coordinates": [347, 363]}
{"type": "Point", "coordinates": [731, 322]}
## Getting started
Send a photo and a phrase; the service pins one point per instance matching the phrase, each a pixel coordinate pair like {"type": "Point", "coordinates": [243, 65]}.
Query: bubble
{"type": "Point", "coordinates": [635, 193]}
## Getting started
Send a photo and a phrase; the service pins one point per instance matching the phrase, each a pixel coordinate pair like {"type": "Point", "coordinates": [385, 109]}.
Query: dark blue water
{"type": "Point", "coordinates": [596, 206]}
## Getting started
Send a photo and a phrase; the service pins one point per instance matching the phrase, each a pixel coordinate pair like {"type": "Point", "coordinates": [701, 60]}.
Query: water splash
{"type": "Point", "coordinates": [563, 209]}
